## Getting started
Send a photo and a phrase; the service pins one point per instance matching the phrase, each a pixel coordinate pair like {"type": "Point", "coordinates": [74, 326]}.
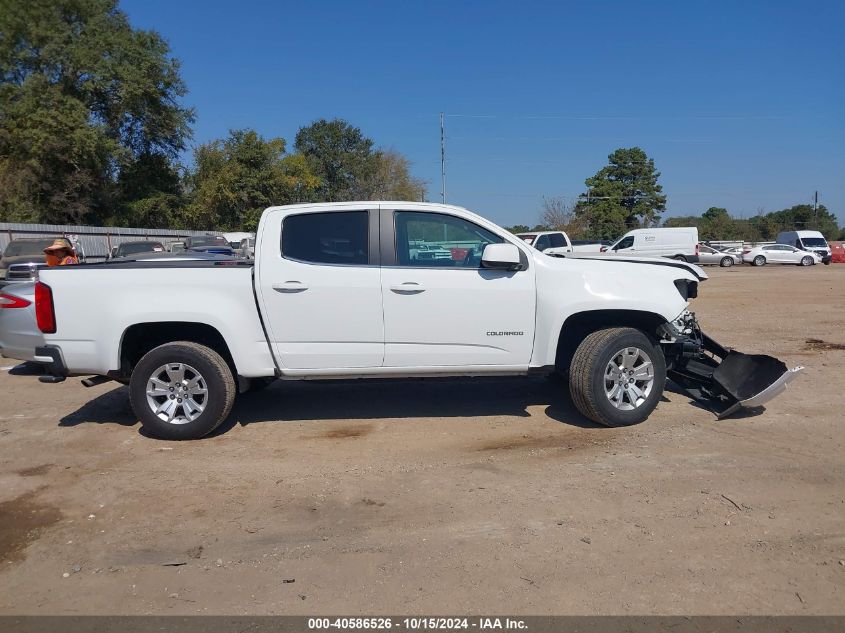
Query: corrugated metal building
{"type": "Point", "coordinates": [96, 241]}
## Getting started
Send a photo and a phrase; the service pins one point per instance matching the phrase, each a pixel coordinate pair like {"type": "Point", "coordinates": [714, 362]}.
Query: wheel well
{"type": "Point", "coordinates": [140, 338]}
{"type": "Point", "coordinates": [578, 326]}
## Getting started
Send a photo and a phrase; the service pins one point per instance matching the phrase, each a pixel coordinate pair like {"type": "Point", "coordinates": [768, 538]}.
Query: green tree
{"type": "Point", "coordinates": [801, 217]}
{"type": "Point", "coordinates": [236, 178]}
{"type": "Point", "coordinates": [684, 220]}
{"type": "Point", "coordinates": [517, 228]}
{"type": "Point", "coordinates": [391, 179]}
{"type": "Point", "coordinates": [622, 195]}
{"type": "Point", "coordinates": [341, 156]}
{"type": "Point", "coordinates": [83, 96]}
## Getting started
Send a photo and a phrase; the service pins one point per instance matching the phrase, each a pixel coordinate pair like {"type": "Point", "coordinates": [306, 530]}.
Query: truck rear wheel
{"type": "Point", "coordinates": [182, 391]}
{"type": "Point", "coordinates": [617, 376]}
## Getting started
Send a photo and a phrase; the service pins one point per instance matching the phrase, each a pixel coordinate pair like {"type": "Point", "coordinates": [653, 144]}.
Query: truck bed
{"type": "Point", "coordinates": [96, 303]}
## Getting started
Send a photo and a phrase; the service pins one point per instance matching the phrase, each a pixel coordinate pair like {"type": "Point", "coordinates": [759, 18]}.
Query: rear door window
{"type": "Point", "coordinates": [327, 238]}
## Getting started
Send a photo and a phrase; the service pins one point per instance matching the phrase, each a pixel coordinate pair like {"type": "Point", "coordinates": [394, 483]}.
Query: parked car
{"type": "Point", "coordinates": [133, 248]}
{"type": "Point", "coordinates": [176, 247]}
{"type": "Point", "coordinates": [215, 244]}
{"type": "Point", "coordinates": [23, 273]}
{"type": "Point", "coordinates": [187, 336]}
{"type": "Point", "coordinates": [709, 256]}
{"type": "Point", "coordinates": [679, 243]}
{"type": "Point", "coordinates": [812, 241]}
{"type": "Point", "coordinates": [779, 254]}
{"type": "Point", "coordinates": [19, 333]}
{"type": "Point", "coordinates": [27, 251]}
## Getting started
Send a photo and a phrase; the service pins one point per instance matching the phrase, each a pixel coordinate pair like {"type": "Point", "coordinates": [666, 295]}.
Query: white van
{"type": "Point", "coordinates": [677, 243]}
{"type": "Point", "coordinates": [811, 241]}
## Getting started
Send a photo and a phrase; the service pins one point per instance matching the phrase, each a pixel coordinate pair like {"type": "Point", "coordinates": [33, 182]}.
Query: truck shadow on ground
{"type": "Point", "coordinates": [111, 407]}
{"type": "Point", "coordinates": [368, 399]}
{"type": "Point", "coordinates": [406, 398]}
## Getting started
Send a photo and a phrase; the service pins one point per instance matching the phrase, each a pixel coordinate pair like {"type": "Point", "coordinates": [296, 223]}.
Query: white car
{"type": "Point", "coordinates": [779, 254]}
{"type": "Point", "coordinates": [340, 290]}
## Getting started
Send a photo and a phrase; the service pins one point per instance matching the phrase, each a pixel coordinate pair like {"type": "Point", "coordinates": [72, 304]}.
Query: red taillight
{"type": "Point", "coordinates": [45, 314]}
{"type": "Point", "coordinates": [698, 249]}
{"type": "Point", "coordinates": [10, 301]}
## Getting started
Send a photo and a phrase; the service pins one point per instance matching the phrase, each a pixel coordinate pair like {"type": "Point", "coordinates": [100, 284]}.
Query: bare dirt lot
{"type": "Point", "coordinates": [449, 497]}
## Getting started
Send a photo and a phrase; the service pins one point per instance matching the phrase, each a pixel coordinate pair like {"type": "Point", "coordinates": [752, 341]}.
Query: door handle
{"type": "Point", "coordinates": [290, 286]}
{"type": "Point", "coordinates": [408, 288]}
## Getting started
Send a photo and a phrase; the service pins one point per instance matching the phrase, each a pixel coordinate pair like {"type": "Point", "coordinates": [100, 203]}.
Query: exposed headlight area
{"type": "Point", "coordinates": [687, 288]}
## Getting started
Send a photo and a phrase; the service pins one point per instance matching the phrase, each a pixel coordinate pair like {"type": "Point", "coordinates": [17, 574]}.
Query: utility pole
{"type": "Point", "coordinates": [816, 211]}
{"type": "Point", "coordinates": [442, 160]}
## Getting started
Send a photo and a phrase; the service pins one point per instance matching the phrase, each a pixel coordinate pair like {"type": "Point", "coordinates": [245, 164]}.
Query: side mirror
{"type": "Point", "coordinates": [501, 257]}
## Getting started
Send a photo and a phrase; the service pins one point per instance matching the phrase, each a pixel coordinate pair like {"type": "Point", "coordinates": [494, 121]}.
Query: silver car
{"type": "Point", "coordinates": [19, 333]}
{"type": "Point", "coordinates": [709, 256]}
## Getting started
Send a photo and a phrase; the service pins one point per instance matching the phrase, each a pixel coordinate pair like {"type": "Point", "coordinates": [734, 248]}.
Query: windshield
{"type": "Point", "coordinates": [209, 240]}
{"type": "Point", "coordinates": [140, 247]}
{"type": "Point", "coordinates": [818, 242]}
{"type": "Point", "coordinates": [30, 247]}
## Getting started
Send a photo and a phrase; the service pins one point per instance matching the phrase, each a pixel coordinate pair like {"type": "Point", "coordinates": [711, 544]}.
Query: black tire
{"type": "Point", "coordinates": [759, 261]}
{"type": "Point", "coordinates": [587, 376]}
{"type": "Point", "coordinates": [680, 258]}
{"type": "Point", "coordinates": [726, 262]}
{"type": "Point", "coordinates": [807, 261]}
{"type": "Point", "coordinates": [214, 371]}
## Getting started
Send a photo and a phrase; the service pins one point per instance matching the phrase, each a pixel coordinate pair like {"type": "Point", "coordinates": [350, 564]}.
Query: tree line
{"type": "Point", "coordinates": [92, 129]}
{"type": "Point", "coordinates": [625, 194]}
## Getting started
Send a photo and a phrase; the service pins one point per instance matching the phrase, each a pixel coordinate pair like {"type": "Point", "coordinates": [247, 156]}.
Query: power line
{"type": "Point", "coordinates": [591, 117]}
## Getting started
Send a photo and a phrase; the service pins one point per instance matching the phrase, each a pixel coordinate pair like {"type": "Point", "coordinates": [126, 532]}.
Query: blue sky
{"type": "Point", "coordinates": [741, 104]}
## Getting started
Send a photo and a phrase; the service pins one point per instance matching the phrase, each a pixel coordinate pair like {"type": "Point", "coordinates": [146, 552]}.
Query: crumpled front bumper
{"type": "Point", "coordinates": [722, 379]}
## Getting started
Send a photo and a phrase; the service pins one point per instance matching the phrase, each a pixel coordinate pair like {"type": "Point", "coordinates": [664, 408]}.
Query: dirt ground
{"type": "Point", "coordinates": [444, 496]}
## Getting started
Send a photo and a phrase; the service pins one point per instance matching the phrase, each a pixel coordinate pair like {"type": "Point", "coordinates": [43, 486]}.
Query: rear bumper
{"type": "Point", "coordinates": [54, 364]}
{"type": "Point", "coordinates": [18, 353]}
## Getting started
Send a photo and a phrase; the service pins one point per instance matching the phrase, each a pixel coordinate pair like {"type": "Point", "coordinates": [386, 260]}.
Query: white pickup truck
{"type": "Point", "coordinates": [558, 243]}
{"type": "Point", "coordinates": [340, 290]}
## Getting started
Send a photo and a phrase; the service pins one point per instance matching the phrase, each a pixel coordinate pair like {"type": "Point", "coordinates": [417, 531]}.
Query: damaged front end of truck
{"type": "Point", "coordinates": [722, 379]}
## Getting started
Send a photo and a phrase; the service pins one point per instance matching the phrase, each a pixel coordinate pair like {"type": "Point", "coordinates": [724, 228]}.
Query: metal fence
{"type": "Point", "coordinates": [96, 241]}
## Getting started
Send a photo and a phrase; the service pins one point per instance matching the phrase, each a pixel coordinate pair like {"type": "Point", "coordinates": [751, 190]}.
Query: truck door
{"type": "Point", "coordinates": [448, 311]}
{"type": "Point", "coordinates": [320, 288]}
{"type": "Point", "coordinates": [625, 245]}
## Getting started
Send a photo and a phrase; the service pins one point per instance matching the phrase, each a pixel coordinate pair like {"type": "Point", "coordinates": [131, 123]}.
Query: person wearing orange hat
{"type": "Point", "coordinates": [60, 253]}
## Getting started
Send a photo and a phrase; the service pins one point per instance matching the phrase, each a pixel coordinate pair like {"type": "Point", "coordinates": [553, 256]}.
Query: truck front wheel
{"type": "Point", "coordinates": [617, 376]}
{"type": "Point", "coordinates": [182, 391]}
